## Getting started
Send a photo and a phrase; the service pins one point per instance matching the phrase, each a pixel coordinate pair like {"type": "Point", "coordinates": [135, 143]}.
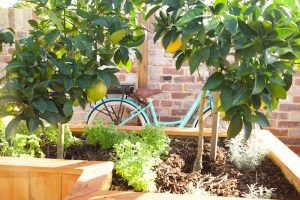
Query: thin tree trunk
{"type": "Point", "coordinates": [215, 127]}
{"type": "Point", "coordinates": [198, 162]}
{"type": "Point", "coordinates": [60, 143]}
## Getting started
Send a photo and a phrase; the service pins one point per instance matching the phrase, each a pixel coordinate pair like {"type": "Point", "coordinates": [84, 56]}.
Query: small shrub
{"type": "Point", "coordinates": [104, 136]}
{"type": "Point", "coordinates": [246, 155]}
{"type": "Point", "coordinates": [21, 145]}
{"type": "Point", "coordinates": [259, 192]}
{"type": "Point", "coordinates": [156, 138]}
{"type": "Point", "coordinates": [135, 164]}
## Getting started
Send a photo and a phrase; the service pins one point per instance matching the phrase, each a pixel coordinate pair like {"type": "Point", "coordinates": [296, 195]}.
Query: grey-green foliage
{"type": "Point", "coordinates": [259, 192]}
{"type": "Point", "coordinates": [26, 143]}
{"type": "Point", "coordinates": [136, 154]}
{"type": "Point", "coordinates": [248, 154]}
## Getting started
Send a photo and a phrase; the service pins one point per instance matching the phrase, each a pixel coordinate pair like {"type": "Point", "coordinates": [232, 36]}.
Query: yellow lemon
{"type": "Point", "coordinates": [173, 46]}
{"type": "Point", "coordinates": [97, 92]}
{"type": "Point", "coordinates": [75, 103]}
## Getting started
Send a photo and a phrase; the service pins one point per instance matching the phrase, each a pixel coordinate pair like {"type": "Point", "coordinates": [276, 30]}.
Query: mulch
{"type": "Point", "coordinates": [175, 175]}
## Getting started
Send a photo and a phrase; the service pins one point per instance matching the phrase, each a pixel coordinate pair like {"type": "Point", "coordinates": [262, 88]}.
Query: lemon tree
{"type": "Point", "coordinates": [64, 59]}
{"type": "Point", "coordinates": [253, 47]}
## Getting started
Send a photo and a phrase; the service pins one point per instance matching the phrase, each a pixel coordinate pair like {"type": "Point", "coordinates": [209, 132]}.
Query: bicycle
{"type": "Point", "coordinates": [131, 108]}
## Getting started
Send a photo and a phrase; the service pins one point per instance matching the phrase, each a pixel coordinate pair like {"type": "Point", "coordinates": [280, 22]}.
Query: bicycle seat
{"type": "Point", "coordinates": [146, 92]}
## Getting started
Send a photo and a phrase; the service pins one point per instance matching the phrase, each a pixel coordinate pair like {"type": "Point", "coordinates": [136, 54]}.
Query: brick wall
{"type": "Point", "coordinates": [179, 87]}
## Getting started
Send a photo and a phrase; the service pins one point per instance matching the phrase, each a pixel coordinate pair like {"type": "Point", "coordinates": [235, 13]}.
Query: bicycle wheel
{"type": "Point", "coordinates": [115, 112]}
{"type": "Point", "coordinates": [207, 118]}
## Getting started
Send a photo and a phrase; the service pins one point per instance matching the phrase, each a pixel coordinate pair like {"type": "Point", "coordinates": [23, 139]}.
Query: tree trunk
{"type": "Point", "coordinates": [60, 142]}
{"type": "Point", "coordinates": [215, 127]}
{"type": "Point", "coordinates": [198, 162]}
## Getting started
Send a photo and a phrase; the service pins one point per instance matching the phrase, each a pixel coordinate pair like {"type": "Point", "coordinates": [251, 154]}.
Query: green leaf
{"type": "Point", "coordinates": [189, 16]}
{"type": "Point", "coordinates": [173, 3]}
{"type": "Point", "coordinates": [11, 128]}
{"type": "Point", "coordinates": [211, 23]}
{"type": "Point", "coordinates": [249, 10]}
{"type": "Point", "coordinates": [235, 126]}
{"type": "Point", "coordinates": [277, 91]}
{"type": "Point", "coordinates": [214, 81]}
{"type": "Point", "coordinates": [51, 37]}
{"type": "Point", "coordinates": [262, 119]}
{"type": "Point", "coordinates": [101, 21]}
{"type": "Point", "coordinates": [247, 129]}
{"type": "Point", "coordinates": [15, 64]}
{"type": "Point", "coordinates": [260, 84]}
{"type": "Point", "coordinates": [68, 108]}
{"type": "Point", "coordinates": [231, 23]}
{"type": "Point", "coordinates": [283, 33]}
{"type": "Point", "coordinates": [246, 29]}
{"type": "Point", "coordinates": [32, 123]}
{"type": "Point", "coordinates": [226, 98]}
{"type": "Point", "coordinates": [152, 11]}
{"type": "Point", "coordinates": [54, 18]}
{"type": "Point", "coordinates": [288, 80]}
{"type": "Point", "coordinates": [41, 105]}
{"type": "Point", "coordinates": [205, 53]}
{"type": "Point", "coordinates": [241, 96]}
{"type": "Point", "coordinates": [195, 61]}
{"type": "Point", "coordinates": [117, 36]}
{"type": "Point", "coordinates": [33, 23]}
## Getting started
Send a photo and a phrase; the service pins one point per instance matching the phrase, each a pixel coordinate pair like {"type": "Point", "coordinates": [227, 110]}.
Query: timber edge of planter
{"type": "Point", "coordinates": [36, 178]}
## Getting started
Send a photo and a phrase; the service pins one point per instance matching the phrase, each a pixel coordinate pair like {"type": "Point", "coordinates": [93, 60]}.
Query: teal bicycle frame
{"type": "Point", "coordinates": [181, 123]}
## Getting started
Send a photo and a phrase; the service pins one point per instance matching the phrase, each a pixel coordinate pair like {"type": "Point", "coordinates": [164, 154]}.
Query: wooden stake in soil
{"type": "Point", "coordinates": [215, 127]}
{"type": "Point", "coordinates": [60, 143]}
{"type": "Point", "coordinates": [198, 161]}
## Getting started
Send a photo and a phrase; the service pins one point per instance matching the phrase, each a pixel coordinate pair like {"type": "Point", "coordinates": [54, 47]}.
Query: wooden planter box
{"type": "Point", "coordinates": [287, 160]}
{"type": "Point", "coordinates": [33, 178]}
{"type": "Point", "coordinates": [53, 179]}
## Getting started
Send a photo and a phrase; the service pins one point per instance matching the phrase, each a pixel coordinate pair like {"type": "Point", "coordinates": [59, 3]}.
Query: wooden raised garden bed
{"type": "Point", "coordinates": [53, 179]}
{"type": "Point", "coordinates": [32, 178]}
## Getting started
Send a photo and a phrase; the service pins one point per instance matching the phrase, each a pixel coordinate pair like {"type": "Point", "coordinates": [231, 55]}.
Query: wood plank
{"type": "Point", "coordinates": [286, 159]}
{"type": "Point", "coordinates": [127, 195]}
{"type": "Point", "coordinates": [44, 186]}
{"type": "Point", "coordinates": [67, 181]}
{"type": "Point", "coordinates": [97, 178]}
{"type": "Point", "coordinates": [14, 185]}
{"type": "Point", "coordinates": [171, 131]}
{"type": "Point", "coordinates": [143, 64]}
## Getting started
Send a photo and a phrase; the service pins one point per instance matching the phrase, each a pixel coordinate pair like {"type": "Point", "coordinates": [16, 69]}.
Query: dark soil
{"type": "Point", "coordinates": [175, 174]}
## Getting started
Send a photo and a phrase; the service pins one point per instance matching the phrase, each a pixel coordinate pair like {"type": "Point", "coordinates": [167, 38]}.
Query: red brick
{"type": "Point", "coordinates": [5, 58]}
{"type": "Point", "coordinates": [161, 62]}
{"type": "Point", "coordinates": [297, 82]}
{"type": "Point", "coordinates": [178, 112]}
{"type": "Point", "coordinates": [278, 132]}
{"type": "Point", "coordinates": [288, 124]}
{"type": "Point", "coordinates": [10, 50]}
{"type": "Point", "coordinates": [290, 140]}
{"type": "Point", "coordinates": [297, 99]}
{"type": "Point", "coordinates": [156, 103]}
{"type": "Point", "coordinates": [162, 111]}
{"type": "Point", "coordinates": [184, 79]}
{"type": "Point", "coordinates": [180, 95]}
{"type": "Point", "coordinates": [177, 104]}
{"type": "Point", "coordinates": [168, 118]}
{"type": "Point", "coordinates": [172, 71]}
{"type": "Point", "coordinates": [295, 149]}
{"type": "Point", "coordinates": [196, 87]}
{"type": "Point", "coordinates": [171, 87]}
{"type": "Point", "coordinates": [289, 107]}
{"type": "Point", "coordinates": [166, 103]}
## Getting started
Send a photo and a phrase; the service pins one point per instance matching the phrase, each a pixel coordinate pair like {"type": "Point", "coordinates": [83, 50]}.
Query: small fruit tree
{"type": "Point", "coordinates": [65, 56]}
{"type": "Point", "coordinates": [252, 45]}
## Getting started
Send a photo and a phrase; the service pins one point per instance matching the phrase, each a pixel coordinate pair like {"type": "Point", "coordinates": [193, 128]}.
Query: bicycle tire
{"type": "Point", "coordinates": [101, 113]}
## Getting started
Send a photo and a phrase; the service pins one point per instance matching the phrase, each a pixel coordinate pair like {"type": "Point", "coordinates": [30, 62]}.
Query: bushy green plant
{"type": "Point", "coordinates": [135, 164]}
{"type": "Point", "coordinates": [248, 154]}
{"type": "Point", "coordinates": [20, 145]}
{"type": "Point", "coordinates": [105, 136]}
{"type": "Point", "coordinates": [26, 143]}
{"type": "Point", "coordinates": [156, 138]}
{"type": "Point", "coordinates": [259, 192]}
{"type": "Point", "coordinates": [137, 154]}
